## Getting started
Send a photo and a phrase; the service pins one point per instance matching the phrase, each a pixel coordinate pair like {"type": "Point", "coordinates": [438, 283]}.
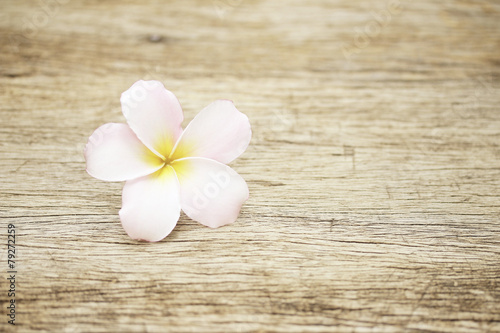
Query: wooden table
{"type": "Point", "coordinates": [374, 167]}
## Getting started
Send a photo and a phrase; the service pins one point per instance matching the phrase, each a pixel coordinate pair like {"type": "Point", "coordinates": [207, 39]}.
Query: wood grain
{"type": "Point", "coordinates": [374, 168]}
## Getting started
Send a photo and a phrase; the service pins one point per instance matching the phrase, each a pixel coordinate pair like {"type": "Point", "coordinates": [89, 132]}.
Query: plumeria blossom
{"type": "Point", "coordinates": [166, 168]}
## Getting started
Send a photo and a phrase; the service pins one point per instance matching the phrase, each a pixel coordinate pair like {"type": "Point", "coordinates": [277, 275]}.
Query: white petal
{"type": "Point", "coordinates": [211, 193]}
{"type": "Point", "coordinates": [151, 205]}
{"type": "Point", "coordinates": [154, 114]}
{"type": "Point", "coordinates": [218, 132]}
{"type": "Point", "coordinates": [114, 153]}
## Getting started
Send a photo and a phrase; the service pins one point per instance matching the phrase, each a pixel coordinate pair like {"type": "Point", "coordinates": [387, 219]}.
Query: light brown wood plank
{"type": "Point", "coordinates": [373, 169]}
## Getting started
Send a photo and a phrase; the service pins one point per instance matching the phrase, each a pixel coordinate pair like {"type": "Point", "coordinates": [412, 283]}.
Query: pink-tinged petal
{"type": "Point", "coordinates": [154, 114]}
{"type": "Point", "coordinates": [151, 205]}
{"type": "Point", "coordinates": [114, 153]}
{"type": "Point", "coordinates": [211, 193]}
{"type": "Point", "coordinates": [218, 132]}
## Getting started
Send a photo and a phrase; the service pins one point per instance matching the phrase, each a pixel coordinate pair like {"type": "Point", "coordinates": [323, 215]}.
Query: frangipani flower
{"type": "Point", "coordinates": [167, 169]}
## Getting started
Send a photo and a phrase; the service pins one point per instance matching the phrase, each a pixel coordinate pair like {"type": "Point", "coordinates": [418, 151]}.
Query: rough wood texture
{"type": "Point", "coordinates": [374, 169]}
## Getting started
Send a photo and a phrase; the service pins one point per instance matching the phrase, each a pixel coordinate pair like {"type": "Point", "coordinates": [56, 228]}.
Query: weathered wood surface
{"type": "Point", "coordinates": [374, 169]}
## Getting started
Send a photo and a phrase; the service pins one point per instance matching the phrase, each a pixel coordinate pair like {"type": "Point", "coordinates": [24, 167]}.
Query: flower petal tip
{"type": "Point", "coordinates": [137, 235]}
